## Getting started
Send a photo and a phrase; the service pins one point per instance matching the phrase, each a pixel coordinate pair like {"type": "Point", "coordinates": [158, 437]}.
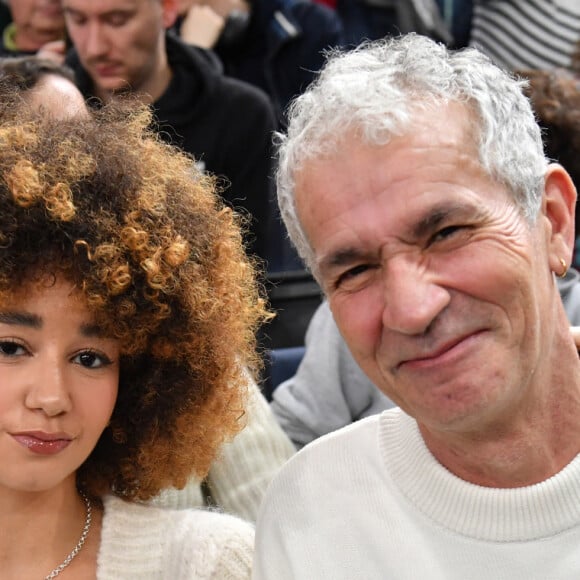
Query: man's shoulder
{"type": "Point", "coordinates": [312, 15]}
{"type": "Point", "coordinates": [345, 450]}
{"type": "Point", "coordinates": [339, 473]}
{"type": "Point", "coordinates": [242, 93]}
{"type": "Point", "coordinates": [350, 436]}
{"type": "Point", "coordinates": [209, 68]}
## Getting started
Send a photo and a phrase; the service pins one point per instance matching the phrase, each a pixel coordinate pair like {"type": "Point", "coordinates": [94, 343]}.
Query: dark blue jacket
{"type": "Point", "coordinates": [282, 48]}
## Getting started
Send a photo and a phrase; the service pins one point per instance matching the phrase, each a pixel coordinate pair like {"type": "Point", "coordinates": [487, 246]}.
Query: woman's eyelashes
{"type": "Point", "coordinates": [11, 348]}
{"type": "Point", "coordinates": [92, 359]}
{"type": "Point", "coordinates": [88, 358]}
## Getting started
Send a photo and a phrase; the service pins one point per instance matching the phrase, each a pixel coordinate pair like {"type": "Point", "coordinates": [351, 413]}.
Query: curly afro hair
{"type": "Point", "coordinates": [160, 261]}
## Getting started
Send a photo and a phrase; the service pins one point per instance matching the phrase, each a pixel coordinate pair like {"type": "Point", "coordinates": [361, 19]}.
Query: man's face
{"type": "Point", "coordinates": [38, 16]}
{"type": "Point", "coordinates": [441, 289]}
{"type": "Point", "coordinates": [120, 43]}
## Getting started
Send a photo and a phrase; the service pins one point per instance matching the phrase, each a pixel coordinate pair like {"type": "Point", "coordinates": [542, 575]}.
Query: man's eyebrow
{"type": "Point", "coordinates": [440, 214]}
{"type": "Point", "coordinates": [340, 258]}
{"type": "Point", "coordinates": [105, 15]}
{"type": "Point", "coordinates": [20, 319]}
{"type": "Point", "coordinates": [426, 225]}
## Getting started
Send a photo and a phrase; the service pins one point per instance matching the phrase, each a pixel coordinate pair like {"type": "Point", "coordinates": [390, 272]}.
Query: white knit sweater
{"type": "Point", "coordinates": [146, 543]}
{"type": "Point", "coordinates": [370, 501]}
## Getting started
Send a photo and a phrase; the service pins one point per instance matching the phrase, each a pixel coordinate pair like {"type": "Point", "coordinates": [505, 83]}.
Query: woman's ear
{"type": "Point", "coordinates": [558, 207]}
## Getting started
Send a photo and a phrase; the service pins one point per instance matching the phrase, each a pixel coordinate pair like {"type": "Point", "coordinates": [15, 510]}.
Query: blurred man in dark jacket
{"type": "Point", "coordinates": [122, 47]}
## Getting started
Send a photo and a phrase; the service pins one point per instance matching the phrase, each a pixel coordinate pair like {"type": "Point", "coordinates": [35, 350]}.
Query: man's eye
{"type": "Point", "coordinates": [76, 19]}
{"type": "Point", "coordinates": [117, 20]}
{"type": "Point", "coordinates": [92, 360]}
{"type": "Point", "coordinates": [445, 233]}
{"type": "Point", "coordinates": [11, 348]}
{"type": "Point", "coordinates": [352, 274]}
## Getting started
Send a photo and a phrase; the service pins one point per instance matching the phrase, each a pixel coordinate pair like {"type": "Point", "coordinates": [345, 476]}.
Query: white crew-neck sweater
{"type": "Point", "coordinates": [370, 501]}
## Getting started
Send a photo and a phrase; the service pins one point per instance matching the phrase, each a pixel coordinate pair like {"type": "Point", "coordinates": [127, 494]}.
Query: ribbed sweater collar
{"type": "Point", "coordinates": [500, 515]}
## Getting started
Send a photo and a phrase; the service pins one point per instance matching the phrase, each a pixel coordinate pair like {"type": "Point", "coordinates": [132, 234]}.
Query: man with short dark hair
{"type": "Point", "coordinates": [121, 46]}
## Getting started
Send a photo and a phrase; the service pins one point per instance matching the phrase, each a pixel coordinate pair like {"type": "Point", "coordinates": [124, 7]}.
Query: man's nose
{"type": "Point", "coordinates": [412, 297]}
{"type": "Point", "coordinates": [95, 41]}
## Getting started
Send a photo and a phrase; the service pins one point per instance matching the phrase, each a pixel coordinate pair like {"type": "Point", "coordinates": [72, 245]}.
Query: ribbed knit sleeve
{"type": "Point", "coordinates": [239, 477]}
{"type": "Point", "coordinates": [177, 499]}
{"type": "Point", "coordinates": [238, 480]}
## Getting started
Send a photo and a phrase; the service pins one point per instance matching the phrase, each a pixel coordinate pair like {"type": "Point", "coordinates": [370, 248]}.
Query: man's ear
{"type": "Point", "coordinates": [170, 12]}
{"type": "Point", "coordinates": [558, 208]}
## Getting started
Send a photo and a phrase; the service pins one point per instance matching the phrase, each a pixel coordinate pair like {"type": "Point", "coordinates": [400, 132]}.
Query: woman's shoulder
{"type": "Point", "coordinates": [142, 541]}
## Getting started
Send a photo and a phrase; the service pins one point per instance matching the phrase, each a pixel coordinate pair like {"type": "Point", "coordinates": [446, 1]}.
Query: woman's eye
{"type": "Point", "coordinates": [92, 360]}
{"type": "Point", "coordinates": [10, 348]}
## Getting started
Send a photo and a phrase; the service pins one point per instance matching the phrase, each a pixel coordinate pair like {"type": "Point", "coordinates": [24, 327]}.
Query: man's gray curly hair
{"type": "Point", "coordinates": [375, 88]}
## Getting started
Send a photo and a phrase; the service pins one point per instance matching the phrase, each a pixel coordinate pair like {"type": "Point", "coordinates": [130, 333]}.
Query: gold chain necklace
{"type": "Point", "coordinates": [80, 543]}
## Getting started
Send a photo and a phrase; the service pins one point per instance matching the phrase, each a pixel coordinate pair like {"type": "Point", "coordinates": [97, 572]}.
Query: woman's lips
{"type": "Point", "coordinates": [43, 443]}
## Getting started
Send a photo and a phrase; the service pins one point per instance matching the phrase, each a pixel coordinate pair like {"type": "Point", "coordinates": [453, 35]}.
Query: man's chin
{"type": "Point", "coordinates": [122, 90]}
{"type": "Point", "coordinates": [111, 87]}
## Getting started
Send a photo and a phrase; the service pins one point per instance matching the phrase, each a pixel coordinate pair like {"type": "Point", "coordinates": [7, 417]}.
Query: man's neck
{"type": "Point", "coordinates": [149, 91]}
{"type": "Point", "coordinates": [525, 447]}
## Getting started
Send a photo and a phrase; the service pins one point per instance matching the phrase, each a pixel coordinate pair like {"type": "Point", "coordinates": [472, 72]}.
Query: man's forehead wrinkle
{"type": "Point", "coordinates": [340, 257]}
{"type": "Point", "coordinates": [434, 217]}
{"type": "Point", "coordinates": [427, 223]}
{"type": "Point", "coordinates": [443, 212]}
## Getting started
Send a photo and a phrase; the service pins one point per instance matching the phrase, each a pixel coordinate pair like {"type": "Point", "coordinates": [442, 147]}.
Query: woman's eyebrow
{"type": "Point", "coordinates": [20, 319]}
{"type": "Point", "coordinates": [92, 331]}
{"type": "Point", "coordinates": [15, 318]}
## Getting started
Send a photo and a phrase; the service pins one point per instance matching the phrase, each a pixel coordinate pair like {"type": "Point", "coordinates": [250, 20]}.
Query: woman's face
{"type": "Point", "coordinates": [58, 385]}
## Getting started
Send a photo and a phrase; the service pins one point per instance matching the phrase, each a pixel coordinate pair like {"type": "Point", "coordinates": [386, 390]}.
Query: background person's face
{"type": "Point", "coordinates": [38, 16]}
{"type": "Point", "coordinates": [119, 42]}
{"type": "Point", "coordinates": [441, 289]}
